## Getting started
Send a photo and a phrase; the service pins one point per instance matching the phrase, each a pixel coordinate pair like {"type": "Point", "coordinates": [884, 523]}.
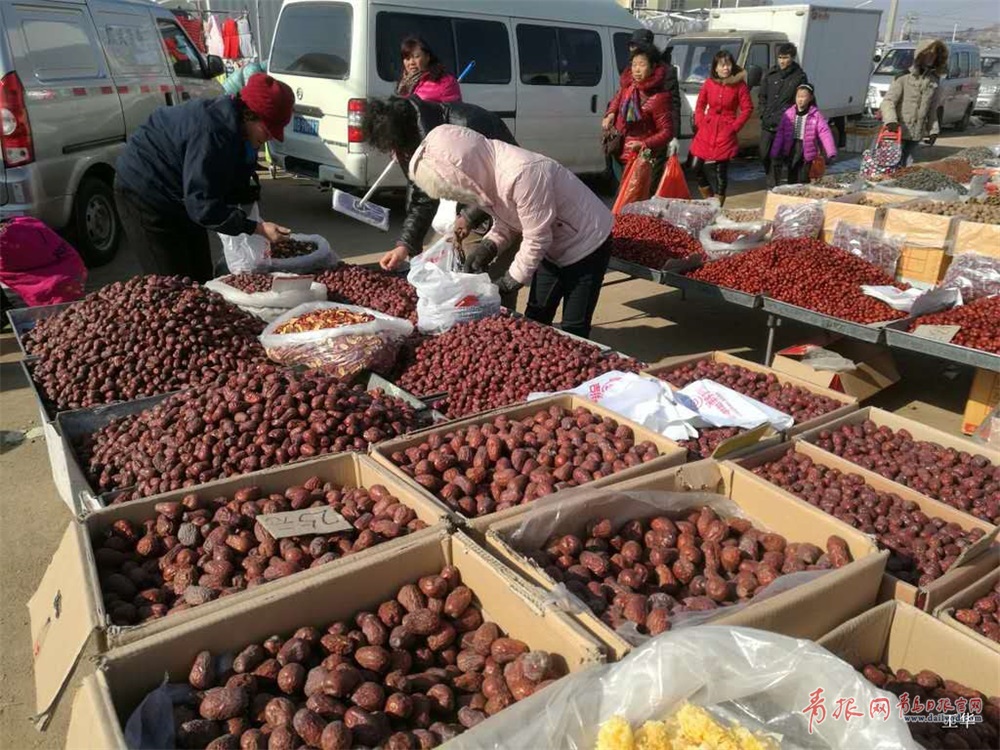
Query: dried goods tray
{"type": "Point", "coordinates": [897, 337]}
{"type": "Point", "coordinates": [711, 291]}
{"type": "Point", "coordinates": [23, 319]}
{"type": "Point", "coordinates": [677, 265]}
{"type": "Point", "coordinates": [872, 333]}
{"type": "Point", "coordinates": [44, 413]}
{"type": "Point", "coordinates": [605, 349]}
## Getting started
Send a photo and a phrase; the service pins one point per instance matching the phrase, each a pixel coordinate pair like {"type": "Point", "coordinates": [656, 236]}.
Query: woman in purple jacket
{"type": "Point", "coordinates": [803, 136]}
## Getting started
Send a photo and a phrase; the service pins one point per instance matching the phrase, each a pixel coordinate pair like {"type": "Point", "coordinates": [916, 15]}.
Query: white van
{"type": "Point", "coordinates": [548, 67]}
{"type": "Point", "coordinates": [77, 77]}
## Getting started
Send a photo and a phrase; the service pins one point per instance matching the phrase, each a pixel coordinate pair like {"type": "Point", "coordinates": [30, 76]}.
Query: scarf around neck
{"type": "Point", "coordinates": [409, 82]}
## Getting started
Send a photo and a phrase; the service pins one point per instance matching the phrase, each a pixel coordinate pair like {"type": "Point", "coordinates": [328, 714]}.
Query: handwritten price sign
{"type": "Point", "coordinates": [304, 522]}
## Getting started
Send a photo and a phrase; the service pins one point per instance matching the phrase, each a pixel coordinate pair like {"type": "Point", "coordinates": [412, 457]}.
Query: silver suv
{"type": "Point", "coordinates": [77, 77]}
{"type": "Point", "coordinates": [988, 102]}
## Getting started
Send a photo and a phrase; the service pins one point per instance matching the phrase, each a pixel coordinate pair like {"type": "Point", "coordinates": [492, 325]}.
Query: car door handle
{"type": "Point", "coordinates": [169, 98]}
{"type": "Point", "coordinates": [593, 104]}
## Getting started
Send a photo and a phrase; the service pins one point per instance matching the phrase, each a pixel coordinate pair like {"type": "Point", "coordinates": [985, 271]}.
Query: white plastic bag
{"type": "Point", "coordinates": [762, 680]}
{"type": "Point", "coordinates": [660, 208]}
{"type": "Point", "coordinates": [798, 221]}
{"type": "Point", "coordinates": [720, 406]}
{"type": "Point", "coordinates": [755, 236]}
{"type": "Point", "coordinates": [344, 351]}
{"type": "Point", "coordinates": [445, 295]}
{"type": "Point", "coordinates": [319, 259]}
{"type": "Point", "coordinates": [245, 253]}
{"type": "Point", "coordinates": [870, 244]}
{"type": "Point", "coordinates": [444, 219]}
{"type": "Point", "coordinates": [974, 275]}
{"type": "Point", "coordinates": [269, 305]}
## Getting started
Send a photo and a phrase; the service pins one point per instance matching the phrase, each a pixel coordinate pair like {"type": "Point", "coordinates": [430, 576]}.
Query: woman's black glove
{"type": "Point", "coordinates": [508, 284]}
{"type": "Point", "coordinates": [479, 257]}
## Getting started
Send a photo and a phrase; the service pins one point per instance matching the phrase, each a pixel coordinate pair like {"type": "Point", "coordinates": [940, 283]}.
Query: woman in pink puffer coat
{"type": "Point", "coordinates": [564, 227]}
{"type": "Point", "coordinates": [803, 136]}
{"type": "Point", "coordinates": [424, 75]}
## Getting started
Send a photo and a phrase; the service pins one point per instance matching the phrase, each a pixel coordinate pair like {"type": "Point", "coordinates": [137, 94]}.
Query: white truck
{"type": "Point", "coordinates": [835, 44]}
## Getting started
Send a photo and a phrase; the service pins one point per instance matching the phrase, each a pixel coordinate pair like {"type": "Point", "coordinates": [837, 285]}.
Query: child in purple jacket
{"type": "Point", "coordinates": [803, 136]}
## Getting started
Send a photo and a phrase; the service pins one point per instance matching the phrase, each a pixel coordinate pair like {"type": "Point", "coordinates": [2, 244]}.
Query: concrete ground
{"type": "Point", "coordinates": [640, 318]}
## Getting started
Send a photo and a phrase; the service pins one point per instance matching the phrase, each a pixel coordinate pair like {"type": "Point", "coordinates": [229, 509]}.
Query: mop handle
{"type": "Point", "coordinates": [379, 181]}
{"type": "Point", "coordinates": [465, 72]}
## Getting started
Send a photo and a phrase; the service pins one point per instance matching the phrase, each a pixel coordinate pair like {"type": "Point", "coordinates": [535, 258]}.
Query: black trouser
{"type": "Point", "coordinates": [577, 286]}
{"type": "Point", "coordinates": [772, 167]}
{"type": "Point", "coordinates": [703, 171]}
{"type": "Point", "coordinates": [798, 167]}
{"type": "Point", "coordinates": [169, 245]}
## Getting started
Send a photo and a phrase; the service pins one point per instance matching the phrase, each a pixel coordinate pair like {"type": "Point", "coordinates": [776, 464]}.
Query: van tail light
{"type": "Point", "coordinates": [15, 130]}
{"type": "Point", "coordinates": [355, 114]}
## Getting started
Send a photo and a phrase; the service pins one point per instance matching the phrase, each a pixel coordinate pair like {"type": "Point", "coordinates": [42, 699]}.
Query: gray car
{"type": "Point", "coordinates": [988, 101]}
{"type": "Point", "coordinates": [77, 77]}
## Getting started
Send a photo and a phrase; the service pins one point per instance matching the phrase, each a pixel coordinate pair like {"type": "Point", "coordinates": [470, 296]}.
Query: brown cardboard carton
{"type": "Point", "coordinates": [671, 454]}
{"type": "Point", "coordinates": [984, 395]}
{"type": "Point", "coordinates": [776, 199]}
{"type": "Point", "coordinates": [925, 254]}
{"type": "Point", "coordinates": [974, 237]}
{"type": "Point", "coordinates": [131, 672]}
{"type": "Point", "coordinates": [806, 611]}
{"type": "Point", "coordinates": [964, 599]}
{"type": "Point", "coordinates": [874, 372]}
{"type": "Point", "coordinates": [847, 208]}
{"type": "Point", "coordinates": [848, 402]}
{"type": "Point", "coordinates": [903, 637]}
{"type": "Point", "coordinates": [68, 608]}
{"type": "Point", "coordinates": [973, 563]}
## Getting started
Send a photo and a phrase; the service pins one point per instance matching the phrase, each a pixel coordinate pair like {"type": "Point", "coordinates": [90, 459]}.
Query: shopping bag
{"type": "Point", "coordinates": [817, 169]}
{"type": "Point", "coordinates": [38, 264]}
{"type": "Point", "coordinates": [636, 182]}
{"type": "Point", "coordinates": [445, 295]}
{"type": "Point", "coordinates": [673, 184]}
{"type": "Point", "coordinates": [884, 156]}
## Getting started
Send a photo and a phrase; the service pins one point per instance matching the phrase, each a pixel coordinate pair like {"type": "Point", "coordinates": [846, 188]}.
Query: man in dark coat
{"type": "Point", "coordinates": [188, 170]}
{"type": "Point", "coordinates": [397, 126]}
{"type": "Point", "coordinates": [777, 94]}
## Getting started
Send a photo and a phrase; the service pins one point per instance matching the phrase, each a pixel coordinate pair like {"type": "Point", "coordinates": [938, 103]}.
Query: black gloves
{"type": "Point", "coordinates": [478, 259]}
{"type": "Point", "coordinates": [508, 284]}
{"type": "Point", "coordinates": [930, 140]}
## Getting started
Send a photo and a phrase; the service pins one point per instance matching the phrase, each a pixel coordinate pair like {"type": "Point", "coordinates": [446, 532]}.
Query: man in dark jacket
{"type": "Point", "coordinates": [777, 94]}
{"type": "Point", "coordinates": [188, 170]}
{"type": "Point", "coordinates": [397, 126]}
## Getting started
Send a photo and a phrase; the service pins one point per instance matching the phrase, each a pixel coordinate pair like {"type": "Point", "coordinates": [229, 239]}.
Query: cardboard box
{"type": "Point", "coordinates": [777, 198]}
{"type": "Point", "coordinates": [671, 454]}
{"type": "Point", "coordinates": [847, 208]}
{"type": "Point", "coordinates": [984, 395]}
{"type": "Point", "coordinates": [848, 402]}
{"type": "Point", "coordinates": [68, 607]}
{"type": "Point", "coordinates": [976, 560]}
{"type": "Point", "coordinates": [875, 368]}
{"type": "Point", "coordinates": [806, 611]}
{"type": "Point", "coordinates": [925, 255]}
{"type": "Point", "coordinates": [964, 599]}
{"type": "Point", "coordinates": [903, 637]}
{"type": "Point", "coordinates": [108, 698]}
{"type": "Point", "coordinates": [974, 237]}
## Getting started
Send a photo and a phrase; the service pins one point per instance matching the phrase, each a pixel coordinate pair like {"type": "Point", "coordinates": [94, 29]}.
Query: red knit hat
{"type": "Point", "coordinates": [271, 101]}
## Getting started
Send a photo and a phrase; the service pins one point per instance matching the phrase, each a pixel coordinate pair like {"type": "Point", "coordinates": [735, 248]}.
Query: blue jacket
{"type": "Point", "coordinates": [193, 161]}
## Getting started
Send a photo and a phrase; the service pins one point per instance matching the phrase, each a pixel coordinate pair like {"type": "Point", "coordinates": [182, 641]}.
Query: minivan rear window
{"type": "Point", "coordinates": [313, 39]}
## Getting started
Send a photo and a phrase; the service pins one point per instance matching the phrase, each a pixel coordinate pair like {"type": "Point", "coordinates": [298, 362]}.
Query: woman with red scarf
{"type": "Point", "coordinates": [640, 112]}
{"type": "Point", "coordinates": [424, 75]}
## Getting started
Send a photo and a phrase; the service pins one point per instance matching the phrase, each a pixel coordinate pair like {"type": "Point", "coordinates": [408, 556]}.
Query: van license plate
{"type": "Point", "coordinates": [306, 125]}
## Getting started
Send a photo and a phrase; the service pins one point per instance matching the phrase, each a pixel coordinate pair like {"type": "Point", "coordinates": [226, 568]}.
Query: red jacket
{"type": "Point", "coordinates": [716, 118]}
{"type": "Point", "coordinates": [654, 129]}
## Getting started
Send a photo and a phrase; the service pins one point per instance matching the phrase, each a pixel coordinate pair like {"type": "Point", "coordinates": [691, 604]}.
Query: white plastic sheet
{"type": "Point", "coordinates": [762, 680]}
{"type": "Point", "coordinates": [269, 305]}
{"type": "Point", "coordinates": [445, 295]}
{"type": "Point", "coordinates": [249, 253]}
{"type": "Point", "coordinates": [723, 407]}
{"type": "Point", "coordinates": [756, 234]}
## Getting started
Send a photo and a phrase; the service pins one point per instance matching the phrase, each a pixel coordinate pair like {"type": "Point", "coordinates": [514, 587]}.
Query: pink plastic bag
{"type": "Point", "coordinates": [38, 264]}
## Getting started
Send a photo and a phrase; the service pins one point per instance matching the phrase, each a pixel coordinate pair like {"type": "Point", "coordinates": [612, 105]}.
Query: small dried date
{"type": "Point", "coordinates": [650, 241]}
{"type": "Point", "coordinates": [376, 290]}
{"type": "Point", "coordinates": [984, 614]}
{"type": "Point", "coordinates": [291, 248]}
{"type": "Point", "coordinates": [320, 319]}
{"type": "Point", "coordinates": [979, 321]}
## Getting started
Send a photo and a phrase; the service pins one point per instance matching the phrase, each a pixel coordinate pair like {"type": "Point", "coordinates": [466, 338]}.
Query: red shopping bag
{"type": "Point", "coordinates": [673, 184]}
{"type": "Point", "coordinates": [817, 169]}
{"type": "Point", "coordinates": [637, 182]}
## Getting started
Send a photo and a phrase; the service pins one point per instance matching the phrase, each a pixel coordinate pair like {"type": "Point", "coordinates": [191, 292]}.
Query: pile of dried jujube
{"type": "Point", "coordinates": [251, 420]}
{"type": "Point", "coordinates": [648, 571]}
{"type": "Point", "coordinates": [142, 337]}
{"type": "Point", "coordinates": [414, 672]}
{"type": "Point", "coordinates": [291, 248]}
{"type": "Point", "coordinates": [317, 320]}
{"type": "Point", "coordinates": [196, 550]}
{"type": "Point", "coordinates": [651, 242]}
{"type": "Point", "coordinates": [354, 285]}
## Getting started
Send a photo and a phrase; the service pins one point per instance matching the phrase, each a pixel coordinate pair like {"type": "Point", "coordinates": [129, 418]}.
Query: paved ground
{"type": "Point", "coordinates": [640, 318]}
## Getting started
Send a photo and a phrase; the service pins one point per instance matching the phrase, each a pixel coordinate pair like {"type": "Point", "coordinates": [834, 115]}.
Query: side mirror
{"type": "Point", "coordinates": [877, 58]}
{"type": "Point", "coordinates": [215, 66]}
{"type": "Point", "coordinates": [754, 76]}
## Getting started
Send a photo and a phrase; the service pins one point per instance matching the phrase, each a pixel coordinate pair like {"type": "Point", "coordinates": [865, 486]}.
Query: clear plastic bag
{"type": "Point", "coordinates": [346, 350]}
{"type": "Point", "coordinates": [753, 235]}
{"type": "Point", "coordinates": [691, 216]}
{"type": "Point", "coordinates": [269, 305]}
{"type": "Point", "coordinates": [250, 253]}
{"type": "Point", "coordinates": [319, 259]}
{"type": "Point", "coordinates": [661, 208]}
{"type": "Point", "coordinates": [445, 295]}
{"type": "Point", "coordinates": [988, 432]}
{"type": "Point", "coordinates": [874, 245]}
{"type": "Point", "coordinates": [974, 275]}
{"type": "Point", "coordinates": [762, 680]}
{"type": "Point", "coordinates": [798, 221]}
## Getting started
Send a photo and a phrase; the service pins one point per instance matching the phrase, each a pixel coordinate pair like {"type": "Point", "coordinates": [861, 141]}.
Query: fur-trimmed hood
{"type": "Point", "coordinates": [939, 49]}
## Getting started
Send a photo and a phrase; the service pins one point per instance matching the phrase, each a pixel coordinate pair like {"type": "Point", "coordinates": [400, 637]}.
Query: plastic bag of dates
{"type": "Point", "coordinates": [720, 241]}
{"type": "Point", "coordinates": [798, 221]}
{"type": "Point", "coordinates": [874, 245]}
{"type": "Point", "coordinates": [342, 340]}
{"type": "Point", "coordinates": [267, 295]}
{"type": "Point", "coordinates": [445, 295]}
{"type": "Point", "coordinates": [301, 253]}
{"type": "Point", "coordinates": [757, 679]}
{"type": "Point", "coordinates": [974, 275]}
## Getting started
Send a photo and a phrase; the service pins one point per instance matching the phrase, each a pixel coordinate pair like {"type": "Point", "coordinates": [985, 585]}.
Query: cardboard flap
{"type": "Point", "coordinates": [63, 613]}
{"type": "Point", "coordinates": [862, 640]}
{"type": "Point", "coordinates": [93, 722]}
{"type": "Point", "coordinates": [741, 441]}
{"type": "Point", "coordinates": [975, 550]}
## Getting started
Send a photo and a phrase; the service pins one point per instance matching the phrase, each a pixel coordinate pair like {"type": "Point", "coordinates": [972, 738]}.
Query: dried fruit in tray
{"type": "Point", "coordinates": [838, 180]}
{"type": "Point", "coordinates": [743, 215]}
{"type": "Point", "coordinates": [651, 242]}
{"type": "Point", "coordinates": [709, 438]}
{"type": "Point", "coordinates": [354, 285]}
{"type": "Point", "coordinates": [960, 479]}
{"type": "Point", "coordinates": [925, 180]}
{"type": "Point", "coordinates": [984, 614]}
{"type": "Point", "coordinates": [971, 211]}
{"type": "Point", "coordinates": [505, 462]}
{"type": "Point", "coordinates": [498, 361]}
{"type": "Point", "coordinates": [142, 337]}
{"type": "Point", "coordinates": [957, 169]}
{"type": "Point", "coordinates": [291, 248]}
{"type": "Point", "coordinates": [251, 283]}
{"type": "Point", "coordinates": [979, 321]}
{"type": "Point", "coordinates": [321, 319]}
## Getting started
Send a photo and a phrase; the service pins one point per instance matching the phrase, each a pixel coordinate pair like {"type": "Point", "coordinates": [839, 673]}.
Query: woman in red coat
{"type": "Point", "coordinates": [723, 108]}
{"type": "Point", "coordinates": [640, 111]}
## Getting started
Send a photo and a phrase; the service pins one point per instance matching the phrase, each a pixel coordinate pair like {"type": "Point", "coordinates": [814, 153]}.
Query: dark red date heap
{"type": "Point", "coordinates": [354, 285]}
{"type": "Point", "coordinates": [807, 273]}
{"type": "Point", "coordinates": [921, 548]}
{"type": "Point", "coordinates": [251, 283]}
{"type": "Point", "coordinates": [651, 242]}
{"type": "Point", "coordinates": [984, 614]}
{"type": "Point", "coordinates": [963, 480]}
{"type": "Point", "coordinates": [980, 321]}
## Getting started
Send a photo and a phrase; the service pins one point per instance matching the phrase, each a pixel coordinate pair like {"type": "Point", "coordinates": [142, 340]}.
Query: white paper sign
{"type": "Point", "coordinates": [305, 522]}
{"type": "Point", "coordinates": [944, 334]}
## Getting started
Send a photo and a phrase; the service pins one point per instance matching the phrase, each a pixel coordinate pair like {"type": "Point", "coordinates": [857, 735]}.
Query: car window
{"type": "Point", "coordinates": [392, 28]}
{"type": "Point", "coordinates": [486, 42]}
{"type": "Point", "coordinates": [990, 67]}
{"type": "Point", "coordinates": [313, 39]}
{"type": "Point", "coordinates": [759, 55]}
{"type": "Point", "coordinates": [620, 41]}
{"type": "Point", "coordinates": [61, 46]}
{"type": "Point", "coordinates": [693, 59]}
{"type": "Point", "coordinates": [896, 61]}
{"type": "Point", "coordinates": [559, 56]}
{"type": "Point", "coordinates": [180, 51]}
{"type": "Point", "coordinates": [964, 65]}
{"type": "Point", "coordinates": [132, 48]}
